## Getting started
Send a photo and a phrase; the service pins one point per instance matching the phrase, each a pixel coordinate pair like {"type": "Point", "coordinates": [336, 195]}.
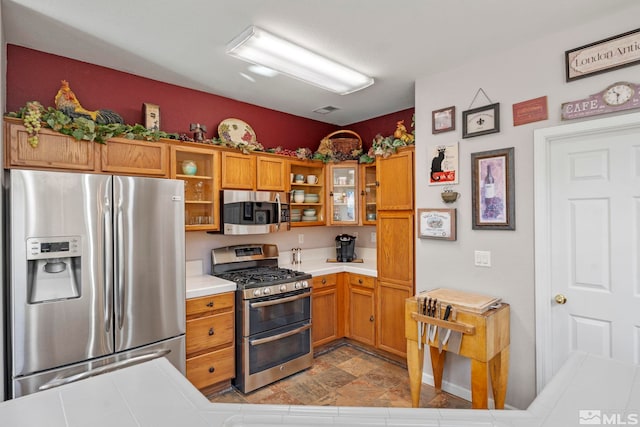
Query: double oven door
{"type": "Point", "coordinates": [274, 338]}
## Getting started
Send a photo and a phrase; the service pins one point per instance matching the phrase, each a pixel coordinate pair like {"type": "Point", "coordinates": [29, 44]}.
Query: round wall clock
{"type": "Point", "coordinates": [618, 93]}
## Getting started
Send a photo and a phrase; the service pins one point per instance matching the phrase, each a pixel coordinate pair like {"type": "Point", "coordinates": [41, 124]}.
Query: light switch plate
{"type": "Point", "coordinates": [483, 258]}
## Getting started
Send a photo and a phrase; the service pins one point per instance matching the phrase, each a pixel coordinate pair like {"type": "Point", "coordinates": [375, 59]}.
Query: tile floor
{"type": "Point", "coordinates": [346, 376]}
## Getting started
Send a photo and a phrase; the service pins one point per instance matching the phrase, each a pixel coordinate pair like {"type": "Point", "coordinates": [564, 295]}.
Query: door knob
{"type": "Point", "coordinates": [561, 299]}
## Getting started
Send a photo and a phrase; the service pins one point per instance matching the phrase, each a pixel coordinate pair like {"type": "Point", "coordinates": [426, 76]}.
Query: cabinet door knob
{"type": "Point", "coordinates": [210, 331]}
{"type": "Point", "coordinates": [324, 281]}
{"type": "Point", "coordinates": [360, 281]}
{"type": "Point", "coordinates": [212, 370]}
{"type": "Point", "coordinates": [377, 183]}
{"type": "Point", "coordinates": [210, 304]}
{"type": "Point", "coordinates": [371, 319]}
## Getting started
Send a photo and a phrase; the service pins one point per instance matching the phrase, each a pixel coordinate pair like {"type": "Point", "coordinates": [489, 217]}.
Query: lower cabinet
{"type": "Point", "coordinates": [361, 309]}
{"type": "Point", "coordinates": [326, 309]}
{"type": "Point", "coordinates": [210, 339]}
{"type": "Point", "coordinates": [390, 316]}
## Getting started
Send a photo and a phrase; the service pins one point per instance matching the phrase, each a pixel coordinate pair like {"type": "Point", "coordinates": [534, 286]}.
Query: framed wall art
{"type": "Point", "coordinates": [444, 165]}
{"type": "Point", "coordinates": [481, 121]}
{"type": "Point", "coordinates": [602, 56]}
{"type": "Point", "coordinates": [493, 190]}
{"type": "Point", "coordinates": [437, 224]}
{"type": "Point", "coordinates": [443, 120]}
{"type": "Point", "coordinates": [151, 114]}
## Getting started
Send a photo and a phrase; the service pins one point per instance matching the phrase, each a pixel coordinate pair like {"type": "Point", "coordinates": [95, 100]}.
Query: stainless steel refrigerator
{"type": "Point", "coordinates": [96, 275]}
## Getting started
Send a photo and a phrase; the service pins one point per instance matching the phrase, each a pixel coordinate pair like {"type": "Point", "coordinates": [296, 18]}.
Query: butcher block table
{"type": "Point", "coordinates": [485, 341]}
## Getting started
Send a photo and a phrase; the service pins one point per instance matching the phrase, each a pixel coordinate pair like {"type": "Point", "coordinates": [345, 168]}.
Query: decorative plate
{"type": "Point", "coordinates": [235, 130]}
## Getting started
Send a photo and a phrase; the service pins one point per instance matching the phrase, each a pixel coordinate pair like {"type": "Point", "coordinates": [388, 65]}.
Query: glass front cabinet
{"type": "Point", "coordinates": [343, 193]}
{"type": "Point", "coordinates": [368, 186]}
{"type": "Point", "coordinates": [199, 170]}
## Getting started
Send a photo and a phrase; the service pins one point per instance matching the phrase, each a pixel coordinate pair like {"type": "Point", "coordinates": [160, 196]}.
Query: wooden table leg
{"type": "Point", "coordinates": [437, 365]}
{"type": "Point", "coordinates": [415, 362]}
{"type": "Point", "coordinates": [479, 385]}
{"type": "Point", "coordinates": [499, 370]}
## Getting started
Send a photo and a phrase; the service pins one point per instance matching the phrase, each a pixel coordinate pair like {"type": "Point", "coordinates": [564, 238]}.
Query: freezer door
{"type": "Point", "coordinates": [60, 302]}
{"type": "Point", "coordinates": [173, 350]}
{"type": "Point", "coordinates": [149, 260]}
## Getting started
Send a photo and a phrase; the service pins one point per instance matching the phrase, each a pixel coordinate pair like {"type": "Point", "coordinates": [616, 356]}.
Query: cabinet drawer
{"type": "Point", "coordinates": [210, 304]}
{"type": "Point", "coordinates": [364, 281]}
{"type": "Point", "coordinates": [325, 281]}
{"type": "Point", "coordinates": [211, 368]}
{"type": "Point", "coordinates": [209, 332]}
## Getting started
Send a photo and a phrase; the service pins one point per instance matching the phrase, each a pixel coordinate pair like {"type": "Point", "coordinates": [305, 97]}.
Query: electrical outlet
{"type": "Point", "coordinates": [300, 239]}
{"type": "Point", "coordinates": [373, 237]}
{"type": "Point", "coordinates": [482, 258]}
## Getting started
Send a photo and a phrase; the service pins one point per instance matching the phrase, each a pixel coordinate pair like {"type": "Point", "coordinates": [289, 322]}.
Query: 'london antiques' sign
{"type": "Point", "coordinates": [617, 97]}
{"type": "Point", "coordinates": [604, 55]}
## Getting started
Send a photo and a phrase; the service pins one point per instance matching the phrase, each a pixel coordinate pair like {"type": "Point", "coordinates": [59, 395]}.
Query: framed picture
{"type": "Point", "coordinates": [151, 114]}
{"type": "Point", "coordinates": [481, 120]}
{"type": "Point", "coordinates": [493, 190]}
{"type": "Point", "coordinates": [444, 165]}
{"type": "Point", "coordinates": [443, 120]}
{"type": "Point", "coordinates": [437, 224]}
{"type": "Point", "coordinates": [602, 56]}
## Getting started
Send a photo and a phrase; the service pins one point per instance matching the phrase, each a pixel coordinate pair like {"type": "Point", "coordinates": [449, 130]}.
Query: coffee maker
{"type": "Point", "coordinates": [345, 248]}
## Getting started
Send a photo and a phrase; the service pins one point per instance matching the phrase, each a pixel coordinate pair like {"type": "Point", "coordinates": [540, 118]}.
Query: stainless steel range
{"type": "Point", "coordinates": [273, 314]}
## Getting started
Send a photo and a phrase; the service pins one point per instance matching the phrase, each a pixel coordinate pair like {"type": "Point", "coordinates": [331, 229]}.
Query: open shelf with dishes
{"type": "Point", "coordinates": [368, 187]}
{"type": "Point", "coordinates": [307, 193]}
{"type": "Point", "coordinates": [199, 170]}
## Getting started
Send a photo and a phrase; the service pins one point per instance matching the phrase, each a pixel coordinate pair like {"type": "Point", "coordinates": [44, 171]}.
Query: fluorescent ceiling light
{"type": "Point", "coordinates": [257, 46]}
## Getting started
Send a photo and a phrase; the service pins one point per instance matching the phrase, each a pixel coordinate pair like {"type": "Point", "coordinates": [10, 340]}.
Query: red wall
{"type": "Point", "coordinates": [35, 76]}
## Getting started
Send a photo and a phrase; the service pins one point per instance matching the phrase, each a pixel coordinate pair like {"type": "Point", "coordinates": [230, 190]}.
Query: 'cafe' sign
{"type": "Point", "coordinates": [607, 101]}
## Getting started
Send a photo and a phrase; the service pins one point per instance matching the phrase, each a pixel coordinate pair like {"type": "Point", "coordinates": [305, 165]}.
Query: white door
{"type": "Point", "coordinates": [587, 241]}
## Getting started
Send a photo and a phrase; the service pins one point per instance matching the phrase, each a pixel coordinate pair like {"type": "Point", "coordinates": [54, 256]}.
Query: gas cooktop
{"type": "Point", "coordinates": [263, 276]}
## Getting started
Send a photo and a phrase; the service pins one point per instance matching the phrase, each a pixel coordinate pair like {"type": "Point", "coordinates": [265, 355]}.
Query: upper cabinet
{"type": "Point", "coordinates": [238, 171]}
{"type": "Point", "coordinates": [343, 197]}
{"type": "Point", "coordinates": [199, 169]}
{"type": "Point", "coordinates": [398, 171]}
{"type": "Point", "coordinates": [61, 152]}
{"type": "Point", "coordinates": [307, 193]}
{"type": "Point", "coordinates": [253, 172]}
{"type": "Point", "coordinates": [368, 190]}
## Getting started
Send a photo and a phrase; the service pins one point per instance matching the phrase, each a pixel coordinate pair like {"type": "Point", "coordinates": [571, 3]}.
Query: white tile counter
{"type": "Point", "coordinates": [314, 262]}
{"type": "Point", "coordinates": [202, 285]}
{"type": "Point", "coordinates": [155, 394]}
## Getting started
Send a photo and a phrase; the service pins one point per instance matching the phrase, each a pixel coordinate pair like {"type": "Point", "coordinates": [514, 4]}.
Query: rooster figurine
{"type": "Point", "coordinates": [67, 102]}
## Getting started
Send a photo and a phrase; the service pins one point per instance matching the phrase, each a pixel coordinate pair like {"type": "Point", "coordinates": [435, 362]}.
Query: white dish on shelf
{"type": "Point", "coordinates": [309, 212]}
{"type": "Point", "coordinates": [309, 218]}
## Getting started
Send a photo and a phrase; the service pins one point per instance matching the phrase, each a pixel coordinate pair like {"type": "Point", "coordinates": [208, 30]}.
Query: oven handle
{"type": "Point", "coordinates": [280, 300]}
{"type": "Point", "coordinates": [279, 336]}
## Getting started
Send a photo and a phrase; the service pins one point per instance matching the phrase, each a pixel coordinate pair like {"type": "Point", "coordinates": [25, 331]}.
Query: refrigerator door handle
{"type": "Point", "coordinates": [56, 382]}
{"type": "Point", "coordinates": [119, 285]}
{"type": "Point", "coordinates": [107, 266]}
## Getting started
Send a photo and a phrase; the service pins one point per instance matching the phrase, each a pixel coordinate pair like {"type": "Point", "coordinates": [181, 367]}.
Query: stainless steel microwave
{"type": "Point", "coordinates": [254, 212]}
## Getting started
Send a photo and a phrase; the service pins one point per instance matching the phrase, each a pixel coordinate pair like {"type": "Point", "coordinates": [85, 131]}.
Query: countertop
{"type": "Point", "coordinates": [314, 262]}
{"type": "Point", "coordinates": [155, 394]}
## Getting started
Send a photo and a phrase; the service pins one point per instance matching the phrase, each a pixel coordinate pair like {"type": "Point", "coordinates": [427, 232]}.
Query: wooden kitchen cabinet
{"type": "Point", "coordinates": [395, 249]}
{"type": "Point", "coordinates": [395, 177]}
{"type": "Point", "coordinates": [368, 193]}
{"type": "Point", "coordinates": [361, 309]}
{"type": "Point", "coordinates": [327, 312]}
{"type": "Point", "coordinates": [271, 173]}
{"type": "Point", "coordinates": [306, 168]}
{"type": "Point", "coordinates": [210, 339]}
{"type": "Point", "coordinates": [343, 200]}
{"type": "Point", "coordinates": [57, 151]}
{"type": "Point", "coordinates": [238, 171]}
{"type": "Point", "coordinates": [124, 156]}
{"type": "Point", "coordinates": [201, 191]}
{"type": "Point", "coordinates": [390, 315]}
{"type": "Point", "coordinates": [54, 150]}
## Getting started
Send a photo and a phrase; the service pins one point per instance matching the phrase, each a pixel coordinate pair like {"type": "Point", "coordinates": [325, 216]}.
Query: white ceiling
{"type": "Point", "coordinates": [396, 41]}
